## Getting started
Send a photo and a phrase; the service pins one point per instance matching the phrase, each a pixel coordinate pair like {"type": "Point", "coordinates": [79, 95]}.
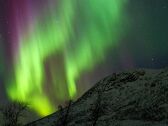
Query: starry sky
{"type": "Point", "coordinates": [54, 50]}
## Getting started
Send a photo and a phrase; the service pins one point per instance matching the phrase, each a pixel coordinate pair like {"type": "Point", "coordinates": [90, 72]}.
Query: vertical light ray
{"type": "Point", "coordinates": [83, 42]}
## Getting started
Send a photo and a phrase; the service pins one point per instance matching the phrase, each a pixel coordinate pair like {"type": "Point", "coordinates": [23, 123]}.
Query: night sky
{"type": "Point", "coordinates": [54, 50]}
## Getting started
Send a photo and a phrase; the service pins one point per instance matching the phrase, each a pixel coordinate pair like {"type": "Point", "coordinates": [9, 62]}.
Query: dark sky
{"type": "Point", "coordinates": [143, 45]}
{"type": "Point", "coordinates": [2, 48]}
{"type": "Point", "coordinates": [148, 37]}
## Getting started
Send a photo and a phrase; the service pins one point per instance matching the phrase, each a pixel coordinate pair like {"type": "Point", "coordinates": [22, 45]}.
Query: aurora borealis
{"type": "Point", "coordinates": [54, 29]}
{"type": "Point", "coordinates": [54, 44]}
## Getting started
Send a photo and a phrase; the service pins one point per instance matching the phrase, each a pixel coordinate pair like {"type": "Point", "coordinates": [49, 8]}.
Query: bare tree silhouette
{"type": "Point", "coordinates": [62, 121]}
{"type": "Point", "coordinates": [12, 112]}
{"type": "Point", "coordinates": [98, 107]}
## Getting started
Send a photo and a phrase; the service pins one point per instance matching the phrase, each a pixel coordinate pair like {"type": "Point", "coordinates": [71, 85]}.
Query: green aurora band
{"type": "Point", "coordinates": [81, 31]}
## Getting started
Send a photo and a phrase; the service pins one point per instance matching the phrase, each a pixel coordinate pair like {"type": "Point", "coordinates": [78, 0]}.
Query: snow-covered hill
{"type": "Point", "coordinates": [132, 98]}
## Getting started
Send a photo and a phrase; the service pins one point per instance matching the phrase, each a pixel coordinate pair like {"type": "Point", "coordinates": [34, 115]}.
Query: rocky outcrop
{"type": "Point", "coordinates": [133, 98]}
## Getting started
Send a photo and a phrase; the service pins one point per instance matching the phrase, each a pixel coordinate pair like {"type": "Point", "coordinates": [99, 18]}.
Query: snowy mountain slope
{"type": "Point", "coordinates": [133, 98]}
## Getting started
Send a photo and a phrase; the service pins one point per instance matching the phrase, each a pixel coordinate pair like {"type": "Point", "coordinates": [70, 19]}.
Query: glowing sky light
{"type": "Point", "coordinates": [76, 33]}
